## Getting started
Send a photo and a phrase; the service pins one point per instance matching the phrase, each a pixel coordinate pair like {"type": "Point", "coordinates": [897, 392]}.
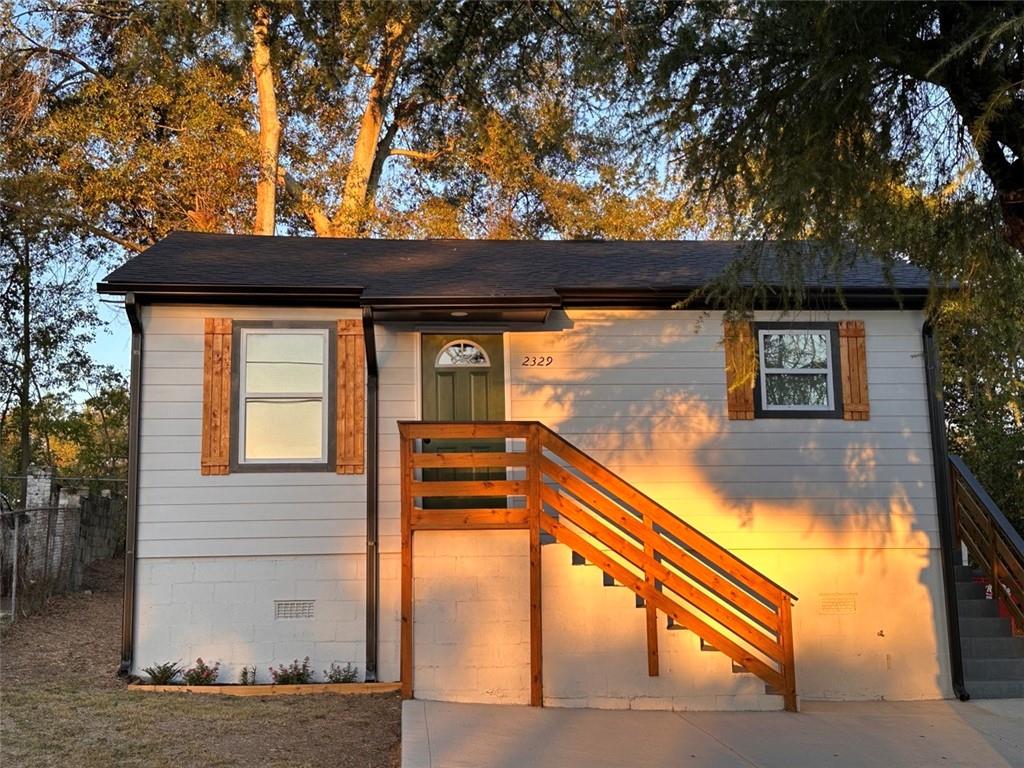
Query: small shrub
{"type": "Point", "coordinates": [339, 674]}
{"type": "Point", "coordinates": [294, 673]}
{"type": "Point", "coordinates": [163, 674]}
{"type": "Point", "coordinates": [201, 674]}
{"type": "Point", "coordinates": [248, 676]}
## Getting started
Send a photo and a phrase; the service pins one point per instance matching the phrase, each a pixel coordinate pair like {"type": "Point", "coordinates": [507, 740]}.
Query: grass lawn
{"type": "Point", "coordinates": [61, 705]}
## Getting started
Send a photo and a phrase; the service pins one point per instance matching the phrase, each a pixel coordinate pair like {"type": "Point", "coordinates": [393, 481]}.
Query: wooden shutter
{"type": "Point", "coordinates": [740, 369]}
{"type": "Point", "coordinates": [351, 386]}
{"type": "Point", "coordinates": [216, 449]}
{"type": "Point", "coordinates": [853, 361]}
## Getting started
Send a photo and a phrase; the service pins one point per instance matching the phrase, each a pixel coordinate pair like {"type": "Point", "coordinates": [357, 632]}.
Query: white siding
{"type": "Point", "coordinates": [184, 514]}
{"type": "Point", "coordinates": [645, 393]}
{"type": "Point", "coordinates": [823, 506]}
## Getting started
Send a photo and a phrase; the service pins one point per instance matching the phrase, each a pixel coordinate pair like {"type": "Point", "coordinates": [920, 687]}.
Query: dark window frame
{"type": "Point", "coordinates": [836, 412]}
{"type": "Point", "coordinates": [330, 396]}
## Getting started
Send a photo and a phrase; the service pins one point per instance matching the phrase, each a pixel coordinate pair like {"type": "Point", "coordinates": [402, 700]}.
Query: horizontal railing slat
{"type": "Point", "coordinates": [471, 460]}
{"type": "Point", "coordinates": [468, 519]}
{"type": "Point", "coordinates": [442, 430]}
{"type": "Point", "coordinates": [435, 488]}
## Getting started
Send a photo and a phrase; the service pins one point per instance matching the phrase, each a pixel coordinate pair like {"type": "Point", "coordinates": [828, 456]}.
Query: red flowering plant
{"type": "Point", "coordinates": [201, 674]}
{"type": "Point", "coordinates": [295, 673]}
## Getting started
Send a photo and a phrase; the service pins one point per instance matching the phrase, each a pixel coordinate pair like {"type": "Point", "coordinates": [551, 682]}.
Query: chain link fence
{"type": "Point", "coordinates": [47, 541]}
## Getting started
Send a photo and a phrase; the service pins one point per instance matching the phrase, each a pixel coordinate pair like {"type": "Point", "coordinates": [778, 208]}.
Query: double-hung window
{"type": "Point", "coordinates": [797, 367]}
{"type": "Point", "coordinates": [284, 404]}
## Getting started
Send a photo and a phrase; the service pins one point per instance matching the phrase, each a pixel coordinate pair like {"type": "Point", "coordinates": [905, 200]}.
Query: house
{"type": "Point", "coordinates": [516, 472]}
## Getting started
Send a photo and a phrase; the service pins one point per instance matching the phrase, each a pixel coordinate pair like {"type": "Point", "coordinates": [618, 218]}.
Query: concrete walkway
{"type": "Point", "coordinates": [986, 734]}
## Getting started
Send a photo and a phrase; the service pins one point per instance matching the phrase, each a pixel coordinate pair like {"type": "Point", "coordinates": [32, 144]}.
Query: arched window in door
{"type": "Point", "coordinates": [462, 353]}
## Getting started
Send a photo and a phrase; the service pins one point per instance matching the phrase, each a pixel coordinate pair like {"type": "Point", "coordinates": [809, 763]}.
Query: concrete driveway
{"type": "Point", "coordinates": [986, 734]}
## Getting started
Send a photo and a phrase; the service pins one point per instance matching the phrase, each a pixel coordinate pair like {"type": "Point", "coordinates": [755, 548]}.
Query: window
{"type": "Point", "coordinates": [284, 404]}
{"type": "Point", "coordinates": [462, 354]}
{"type": "Point", "coordinates": [796, 371]}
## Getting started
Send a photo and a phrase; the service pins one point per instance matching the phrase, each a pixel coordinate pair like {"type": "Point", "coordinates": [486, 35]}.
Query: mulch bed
{"type": "Point", "coordinates": [62, 704]}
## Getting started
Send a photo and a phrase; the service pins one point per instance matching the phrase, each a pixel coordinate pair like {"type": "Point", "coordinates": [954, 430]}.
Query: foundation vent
{"type": "Point", "coordinates": [293, 609]}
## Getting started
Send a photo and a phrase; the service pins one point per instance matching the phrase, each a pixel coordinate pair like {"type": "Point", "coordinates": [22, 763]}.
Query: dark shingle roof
{"type": "Point", "coordinates": [433, 269]}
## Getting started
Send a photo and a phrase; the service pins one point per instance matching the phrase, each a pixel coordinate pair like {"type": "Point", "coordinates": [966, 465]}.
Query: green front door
{"type": "Point", "coordinates": [463, 380]}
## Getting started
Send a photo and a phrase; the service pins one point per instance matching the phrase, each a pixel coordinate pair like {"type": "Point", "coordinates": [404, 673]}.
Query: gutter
{"type": "Point", "coordinates": [947, 526]}
{"type": "Point", "coordinates": [372, 516]}
{"type": "Point", "coordinates": [131, 309]}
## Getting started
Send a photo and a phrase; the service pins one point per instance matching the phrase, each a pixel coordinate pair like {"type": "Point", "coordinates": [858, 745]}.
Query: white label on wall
{"type": "Point", "coordinates": [837, 602]}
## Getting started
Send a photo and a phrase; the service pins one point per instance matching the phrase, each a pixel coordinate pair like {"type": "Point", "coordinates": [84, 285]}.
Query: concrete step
{"type": "Point", "coordinates": [984, 627]}
{"type": "Point", "coordinates": [977, 609]}
{"type": "Point", "coordinates": [966, 572]}
{"type": "Point", "coordinates": [995, 689]}
{"type": "Point", "coordinates": [970, 590]}
{"type": "Point", "coordinates": [1007, 670]}
{"type": "Point", "coordinates": [992, 647]}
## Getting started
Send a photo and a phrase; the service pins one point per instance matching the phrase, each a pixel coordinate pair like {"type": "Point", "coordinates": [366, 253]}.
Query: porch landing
{"type": "Point", "coordinates": [986, 734]}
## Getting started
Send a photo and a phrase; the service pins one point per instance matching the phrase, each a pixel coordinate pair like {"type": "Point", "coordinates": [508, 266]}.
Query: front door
{"type": "Point", "coordinates": [463, 380]}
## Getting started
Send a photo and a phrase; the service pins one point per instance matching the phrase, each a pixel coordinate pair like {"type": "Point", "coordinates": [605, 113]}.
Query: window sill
{"type": "Point", "coordinates": [760, 413]}
{"type": "Point", "coordinates": [300, 467]}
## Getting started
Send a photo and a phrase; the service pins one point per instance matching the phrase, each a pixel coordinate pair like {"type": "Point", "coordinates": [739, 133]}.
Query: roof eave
{"type": "Point", "coordinates": [210, 291]}
{"type": "Point", "coordinates": [818, 296]}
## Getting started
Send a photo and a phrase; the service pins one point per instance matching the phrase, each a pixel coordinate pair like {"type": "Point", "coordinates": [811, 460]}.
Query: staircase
{"type": "Point", "coordinates": [670, 624]}
{"type": "Point", "coordinates": [671, 568]}
{"type": "Point", "coordinates": [993, 656]}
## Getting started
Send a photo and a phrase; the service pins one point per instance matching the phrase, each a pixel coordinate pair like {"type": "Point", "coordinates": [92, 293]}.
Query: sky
{"type": "Point", "coordinates": [113, 344]}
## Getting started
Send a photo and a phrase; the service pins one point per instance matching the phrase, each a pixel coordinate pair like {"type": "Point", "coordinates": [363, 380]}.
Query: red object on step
{"type": "Point", "coordinates": [1004, 613]}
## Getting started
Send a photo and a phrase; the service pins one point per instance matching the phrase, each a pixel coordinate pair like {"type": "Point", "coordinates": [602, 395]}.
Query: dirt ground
{"type": "Point", "coordinates": [62, 705]}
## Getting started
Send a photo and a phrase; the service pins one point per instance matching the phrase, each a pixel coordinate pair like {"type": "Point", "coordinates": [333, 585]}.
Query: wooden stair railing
{"type": "Point", "coordinates": [992, 543]}
{"type": "Point", "coordinates": [603, 518]}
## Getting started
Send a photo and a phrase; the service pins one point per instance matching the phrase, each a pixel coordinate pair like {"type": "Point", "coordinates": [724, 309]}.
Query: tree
{"type": "Point", "coordinates": [345, 118]}
{"type": "Point", "coordinates": [890, 129]}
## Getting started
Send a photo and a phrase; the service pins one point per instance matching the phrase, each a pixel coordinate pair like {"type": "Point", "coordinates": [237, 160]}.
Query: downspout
{"type": "Point", "coordinates": [131, 309]}
{"type": "Point", "coordinates": [372, 462]}
{"type": "Point", "coordinates": [947, 532]}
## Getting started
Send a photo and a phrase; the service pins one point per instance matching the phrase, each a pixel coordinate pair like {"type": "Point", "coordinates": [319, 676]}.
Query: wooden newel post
{"type": "Point", "coordinates": [653, 667]}
{"type": "Point", "coordinates": [407, 615]}
{"type": "Point", "coordinates": [533, 450]}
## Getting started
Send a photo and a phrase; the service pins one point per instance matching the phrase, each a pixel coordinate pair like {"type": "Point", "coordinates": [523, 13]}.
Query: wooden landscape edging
{"type": "Point", "coordinates": [270, 689]}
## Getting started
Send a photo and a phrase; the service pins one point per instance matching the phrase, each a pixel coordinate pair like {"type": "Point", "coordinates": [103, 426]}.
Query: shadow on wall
{"type": "Point", "coordinates": [842, 513]}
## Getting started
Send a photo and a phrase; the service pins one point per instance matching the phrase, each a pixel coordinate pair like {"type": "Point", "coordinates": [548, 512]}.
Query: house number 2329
{"type": "Point", "coordinates": [536, 361]}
